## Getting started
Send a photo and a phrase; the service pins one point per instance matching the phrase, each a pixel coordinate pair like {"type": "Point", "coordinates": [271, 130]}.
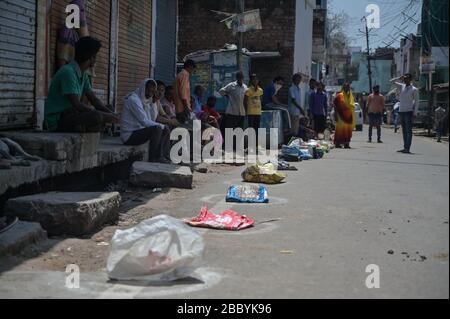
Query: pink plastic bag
{"type": "Point", "coordinates": [228, 220]}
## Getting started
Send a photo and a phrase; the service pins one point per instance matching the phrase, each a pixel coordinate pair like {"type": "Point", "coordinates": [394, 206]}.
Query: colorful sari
{"type": "Point", "coordinates": [345, 118]}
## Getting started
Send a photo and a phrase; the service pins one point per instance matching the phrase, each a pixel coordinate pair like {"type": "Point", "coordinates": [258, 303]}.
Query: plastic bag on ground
{"type": "Point", "coordinates": [304, 153]}
{"type": "Point", "coordinates": [295, 142]}
{"type": "Point", "coordinates": [256, 194]}
{"type": "Point", "coordinates": [227, 220]}
{"type": "Point", "coordinates": [265, 174]}
{"type": "Point", "coordinates": [161, 248]}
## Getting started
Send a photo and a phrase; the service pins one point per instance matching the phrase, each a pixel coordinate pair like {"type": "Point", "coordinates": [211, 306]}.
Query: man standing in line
{"type": "Point", "coordinates": [312, 90]}
{"type": "Point", "coordinates": [182, 92]}
{"type": "Point", "coordinates": [409, 104]}
{"type": "Point", "coordinates": [318, 107]}
{"type": "Point", "coordinates": [235, 112]}
{"type": "Point", "coordinates": [270, 96]}
{"type": "Point", "coordinates": [376, 105]}
{"type": "Point", "coordinates": [294, 104]}
{"type": "Point", "coordinates": [440, 118]}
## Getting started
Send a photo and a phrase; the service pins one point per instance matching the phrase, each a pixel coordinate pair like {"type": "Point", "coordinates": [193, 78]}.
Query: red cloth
{"type": "Point", "coordinates": [211, 112]}
{"type": "Point", "coordinates": [228, 220]}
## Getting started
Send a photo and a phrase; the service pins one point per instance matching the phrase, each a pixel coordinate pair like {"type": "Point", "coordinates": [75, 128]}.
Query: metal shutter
{"type": "Point", "coordinates": [135, 24]}
{"type": "Point", "coordinates": [98, 21]}
{"type": "Point", "coordinates": [17, 63]}
{"type": "Point", "coordinates": [166, 30]}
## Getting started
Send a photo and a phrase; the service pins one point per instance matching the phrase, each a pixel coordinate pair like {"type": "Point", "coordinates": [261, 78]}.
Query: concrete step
{"type": "Point", "coordinates": [72, 214]}
{"type": "Point", "coordinates": [154, 175]}
{"type": "Point", "coordinates": [20, 236]}
{"type": "Point", "coordinates": [110, 151]}
{"type": "Point", "coordinates": [57, 146]}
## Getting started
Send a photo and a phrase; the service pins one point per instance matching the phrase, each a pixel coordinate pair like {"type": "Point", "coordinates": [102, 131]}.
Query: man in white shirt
{"type": "Point", "coordinates": [409, 104]}
{"type": "Point", "coordinates": [139, 125]}
{"type": "Point", "coordinates": [235, 112]}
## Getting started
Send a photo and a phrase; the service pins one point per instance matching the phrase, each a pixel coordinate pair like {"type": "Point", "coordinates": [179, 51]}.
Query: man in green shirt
{"type": "Point", "coordinates": [64, 110]}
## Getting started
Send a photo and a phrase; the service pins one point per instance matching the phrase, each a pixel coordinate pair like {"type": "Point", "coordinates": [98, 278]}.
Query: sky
{"type": "Point", "coordinates": [397, 18]}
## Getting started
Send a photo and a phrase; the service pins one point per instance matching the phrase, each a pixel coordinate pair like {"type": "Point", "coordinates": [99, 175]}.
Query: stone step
{"type": "Point", "coordinates": [154, 175]}
{"type": "Point", "coordinates": [57, 146]}
{"type": "Point", "coordinates": [20, 236]}
{"type": "Point", "coordinates": [72, 214]}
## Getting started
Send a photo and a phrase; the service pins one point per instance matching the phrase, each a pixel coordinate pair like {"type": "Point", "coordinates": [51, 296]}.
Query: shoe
{"type": "Point", "coordinates": [401, 151]}
{"type": "Point", "coordinates": [380, 142]}
{"type": "Point", "coordinates": [369, 141]}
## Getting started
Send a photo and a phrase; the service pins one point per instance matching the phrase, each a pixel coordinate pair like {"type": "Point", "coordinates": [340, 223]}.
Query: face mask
{"type": "Point", "coordinates": [278, 87]}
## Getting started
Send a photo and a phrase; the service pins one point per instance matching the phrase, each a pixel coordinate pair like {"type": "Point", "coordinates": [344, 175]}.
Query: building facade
{"type": "Point", "coordinates": [319, 40]}
{"type": "Point", "coordinates": [286, 29]}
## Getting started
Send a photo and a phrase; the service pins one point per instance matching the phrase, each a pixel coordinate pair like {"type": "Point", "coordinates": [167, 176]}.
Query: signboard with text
{"type": "Point", "coordinates": [244, 22]}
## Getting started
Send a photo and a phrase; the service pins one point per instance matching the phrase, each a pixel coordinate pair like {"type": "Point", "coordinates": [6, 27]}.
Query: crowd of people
{"type": "Point", "coordinates": [155, 108]}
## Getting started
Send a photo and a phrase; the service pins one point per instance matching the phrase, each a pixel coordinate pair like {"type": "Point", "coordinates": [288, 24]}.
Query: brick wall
{"type": "Point", "coordinates": [200, 29]}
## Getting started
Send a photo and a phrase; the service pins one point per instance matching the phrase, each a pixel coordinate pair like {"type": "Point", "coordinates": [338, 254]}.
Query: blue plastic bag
{"type": "Point", "coordinates": [250, 194]}
{"type": "Point", "coordinates": [295, 151]}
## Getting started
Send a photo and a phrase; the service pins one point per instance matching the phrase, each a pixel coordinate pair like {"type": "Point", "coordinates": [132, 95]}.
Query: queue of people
{"type": "Point", "coordinates": [155, 108]}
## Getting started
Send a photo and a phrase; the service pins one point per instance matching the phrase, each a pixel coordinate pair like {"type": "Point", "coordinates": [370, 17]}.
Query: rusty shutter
{"type": "Point", "coordinates": [98, 21]}
{"type": "Point", "coordinates": [134, 46]}
{"type": "Point", "coordinates": [17, 63]}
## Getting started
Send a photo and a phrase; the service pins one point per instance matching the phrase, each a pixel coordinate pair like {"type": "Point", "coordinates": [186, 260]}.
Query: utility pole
{"type": "Point", "coordinates": [240, 35]}
{"type": "Point", "coordinates": [429, 45]}
{"type": "Point", "coordinates": [369, 66]}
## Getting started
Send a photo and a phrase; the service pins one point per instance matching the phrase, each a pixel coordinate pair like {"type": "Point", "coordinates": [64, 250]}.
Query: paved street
{"type": "Point", "coordinates": [336, 216]}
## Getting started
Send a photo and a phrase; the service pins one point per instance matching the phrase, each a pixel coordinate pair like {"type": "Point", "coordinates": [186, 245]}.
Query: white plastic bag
{"type": "Point", "coordinates": [161, 248]}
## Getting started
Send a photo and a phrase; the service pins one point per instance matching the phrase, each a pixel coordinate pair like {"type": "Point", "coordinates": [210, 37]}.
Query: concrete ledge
{"type": "Point", "coordinates": [110, 151]}
{"type": "Point", "coordinates": [57, 146]}
{"type": "Point", "coordinates": [67, 213]}
{"type": "Point", "coordinates": [20, 236]}
{"type": "Point", "coordinates": [161, 175]}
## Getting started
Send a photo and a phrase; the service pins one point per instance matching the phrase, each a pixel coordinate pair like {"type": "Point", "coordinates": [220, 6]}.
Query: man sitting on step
{"type": "Point", "coordinates": [64, 110]}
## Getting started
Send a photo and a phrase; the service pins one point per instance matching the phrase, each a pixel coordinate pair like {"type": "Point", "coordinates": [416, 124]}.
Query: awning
{"type": "Point", "coordinates": [264, 55]}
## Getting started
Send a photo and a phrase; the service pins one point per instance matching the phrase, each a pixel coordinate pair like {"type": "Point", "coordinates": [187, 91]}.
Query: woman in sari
{"type": "Point", "coordinates": [344, 104]}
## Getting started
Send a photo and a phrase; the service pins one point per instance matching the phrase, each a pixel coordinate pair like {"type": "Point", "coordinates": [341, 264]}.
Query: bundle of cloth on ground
{"type": "Point", "coordinates": [306, 150]}
{"type": "Point", "coordinates": [282, 165]}
{"type": "Point", "coordinates": [252, 194]}
{"type": "Point", "coordinates": [263, 173]}
{"type": "Point", "coordinates": [227, 220]}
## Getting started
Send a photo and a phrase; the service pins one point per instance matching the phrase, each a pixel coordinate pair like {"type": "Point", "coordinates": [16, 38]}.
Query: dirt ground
{"type": "Point", "coordinates": [91, 252]}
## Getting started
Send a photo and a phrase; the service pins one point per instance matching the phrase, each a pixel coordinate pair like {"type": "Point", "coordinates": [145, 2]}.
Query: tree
{"type": "Point", "coordinates": [337, 45]}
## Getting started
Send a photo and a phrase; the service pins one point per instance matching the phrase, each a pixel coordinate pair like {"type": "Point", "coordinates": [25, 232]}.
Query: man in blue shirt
{"type": "Point", "coordinates": [312, 89]}
{"type": "Point", "coordinates": [271, 92]}
{"type": "Point", "coordinates": [318, 106]}
{"type": "Point", "coordinates": [198, 100]}
{"type": "Point", "coordinates": [294, 104]}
